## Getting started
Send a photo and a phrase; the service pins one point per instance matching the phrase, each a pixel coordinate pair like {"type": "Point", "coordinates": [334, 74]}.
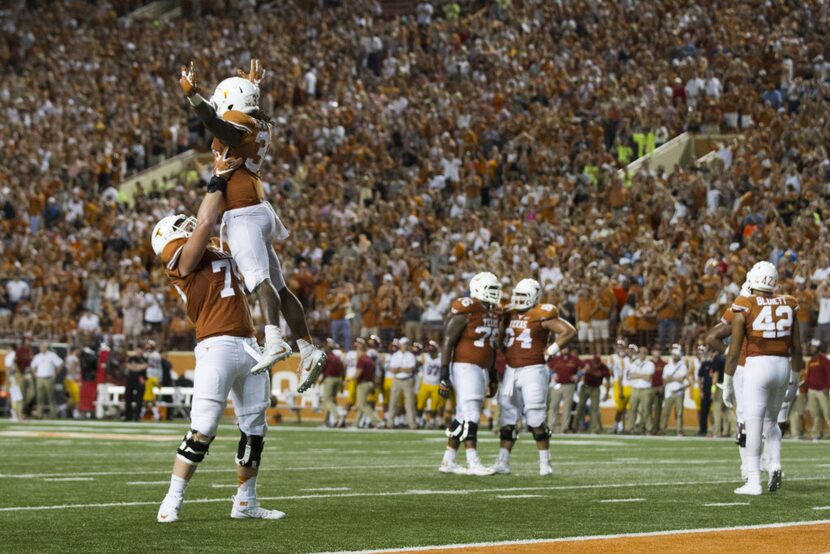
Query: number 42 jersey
{"type": "Point", "coordinates": [768, 323]}
{"type": "Point", "coordinates": [478, 342]}
{"type": "Point", "coordinates": [525, 339]}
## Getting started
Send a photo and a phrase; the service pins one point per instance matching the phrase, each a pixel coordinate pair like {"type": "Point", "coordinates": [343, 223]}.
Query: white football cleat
{"type": "Point", "coordinates": [271, 354]}
{"type": "Point", "coordinates": [169, 509]}
{"type": "Point", "coordinates": [751, 489]}
{"type": "Point", "coordinates": [311, 364]}
{"type": "Point", "coordinates": [776, 476]}
{"type": "Point", "coordinates": [545, 469]}
{"type": "Point", "coordinates": [502, 467]}
{"type": "Point", "coordinates": [250, 509]}
{"type": "Point", "coordinates": [452, 467]}
{"type": "Point", "coordinates": [479, 470]}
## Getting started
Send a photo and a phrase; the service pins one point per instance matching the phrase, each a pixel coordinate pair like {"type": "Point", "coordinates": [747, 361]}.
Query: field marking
{"type": "Point", "coordinates": [61, 479]}
{"type": "Point", "coordinates": [585, 538]}
{"type": "Point", "coordinates": [139, 483]}
{"type": "Point", "coordinates": [224, 486]}
{"type": "Point", "coordinates": [720, 504]}
{"type": "Point", "coordinates": [326, 489]}
{"type": "Point", "coordinates": [410, 492]}
{"type": "Point", "coordinates": [520, 496]}
{"type": "Point", "coordinates": [613, 500]}
{"type": "Point", "coordinates": [821, 507]}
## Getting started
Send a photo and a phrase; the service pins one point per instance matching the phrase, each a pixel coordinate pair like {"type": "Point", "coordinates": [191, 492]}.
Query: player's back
{"type": "Point", "coordinates": [478, 341]}
{"type": "Point", "coordinates": [245, 186]}
{"type": "Point", "coordinates": [212, 294]}
{"type": "Point", "coordinates": [525, 337]}
{"type": "Point", "coordinates": [768, 323]}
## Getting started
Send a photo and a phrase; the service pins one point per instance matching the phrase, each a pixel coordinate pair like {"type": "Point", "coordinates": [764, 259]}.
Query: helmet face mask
{"type": "Point", "coordinates": [486, 287]}
{"type": "Point", "coordinates": [171, 228]}
{"type": "Point", "coordinates": [526, 294]}
{"type": "Point", "coordinates": [237, 94]}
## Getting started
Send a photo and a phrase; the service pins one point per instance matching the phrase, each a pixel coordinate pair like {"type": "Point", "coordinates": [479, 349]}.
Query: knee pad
{"type": "Point", "coordinates": [541, 432]}
{"type": "Point", "coordinates": [466, 430]}
{"type": "Point", "coordinates": [509, 433]}
{"type": "Point", "coordinates": [249, 452]}
{"type": "Point", "coordinates": [192, 451]}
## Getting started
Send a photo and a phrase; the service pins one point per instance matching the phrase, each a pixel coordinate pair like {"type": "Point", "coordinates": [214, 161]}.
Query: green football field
{"type": "Point", "coordinates": [96, 487]}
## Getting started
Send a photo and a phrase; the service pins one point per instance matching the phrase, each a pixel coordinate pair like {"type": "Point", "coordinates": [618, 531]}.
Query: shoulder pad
{"type": "Point", "coordinates": [243, 121]}
{"type": "Point", "coordinates": [170, 254]}
{"type": "Point", "coordinates": [742, 304]}
{"type": "Point", "coordinates": [465, 305]}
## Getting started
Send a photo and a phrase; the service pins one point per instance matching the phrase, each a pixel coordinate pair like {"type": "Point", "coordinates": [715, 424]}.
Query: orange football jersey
{"type": "Point", "coordinates": [245, 185]}
{"type": "Point", "coordinates": [525, 339]}
{"type": "Point", "coordinates": [477, 344]}
{"type": "Point", "coordinates": [769, 322]}
{"type": "Point", "coordinates": [726, 319]}
{"type": "Point", "coordinates": [212, 293]}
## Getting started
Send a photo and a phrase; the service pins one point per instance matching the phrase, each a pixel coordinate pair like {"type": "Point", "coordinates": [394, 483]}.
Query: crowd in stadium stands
{"type": "Point", "coordinates": [411, 152]}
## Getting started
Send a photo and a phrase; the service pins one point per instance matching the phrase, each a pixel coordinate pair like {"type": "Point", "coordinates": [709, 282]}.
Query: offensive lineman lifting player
{"type": "Point", "coordinates": [241, 130]}
{"type": "Point", "coordinates": [206, 280]}
{"type": "Point", "coordinates": [524, 388]}
{"type": "Point", "coordinates": [468, 356]}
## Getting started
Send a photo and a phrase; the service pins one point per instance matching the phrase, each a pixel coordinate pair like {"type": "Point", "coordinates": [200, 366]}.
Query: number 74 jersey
{"type": "Point", "coordinates": [212, 293]}
{"type": "Point", "coordinates": [769, 322]}
{"type": "Point", "coordinates": [525, 339]}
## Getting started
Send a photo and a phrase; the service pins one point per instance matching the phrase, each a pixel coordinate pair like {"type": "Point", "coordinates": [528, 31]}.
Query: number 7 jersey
{"type": "Point", "coordinates": [212, 294]}
{"type": "Point", "coordinates": [525, 338]}
{"type": "Point", "coordinates": [768, 323]}
{"type": "Point", "coordinates": [478, 342]}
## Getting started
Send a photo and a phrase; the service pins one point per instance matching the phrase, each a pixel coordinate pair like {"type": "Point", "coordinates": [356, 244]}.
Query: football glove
{"type": "Point", "coordinates": [188, 81]}
{"type": "Point", "coordinates": [444, 383]}
{"type": "Point", "coordinates": [792, 387]}
{"type": "Point", "coordinates": [728, 391]}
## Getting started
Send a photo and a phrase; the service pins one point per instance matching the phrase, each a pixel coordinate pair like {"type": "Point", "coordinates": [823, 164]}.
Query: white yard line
{"type": "Point", "coordinates": [617, 500]}
{"type": "Point", "coordinates": [59, 479]}
{"type": "Point", "coordinates": [721, 504]}
{"type": "Point", "coordinates": [586, 538]}
{"type": "Point", "coordinates": [821, 507]}
{"type": "Point", "coordinates": [326, 489]}
{"type": "Point", "coordinates": [520, 496]}
{"type": "Point", "coordinates": [140, 483]}
{"type": "Point", "coordinates": [427, 492]}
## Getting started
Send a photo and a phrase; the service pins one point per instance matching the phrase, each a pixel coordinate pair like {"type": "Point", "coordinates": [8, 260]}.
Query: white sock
{"type": "Point", "coordinates": [177, 486]}
{"type": "Point", "coordinates": [472, 456]}
{"type": "Point", "coordinates": [742, 453]}
{"type": "Point", "coordinates": [304, 346]}
{"type": "Point", "coordinates": [247, 490]}
{"type": "Point", "coordinates": [504, 454]}
{"type": "Point", "coordinates": [772, 445]}
{"type": "Point", "coordinates": [754, 478]}
{"type": "Point", "coordinates": [752, 454]}
{"type": "Point", "coordinates": [272, 335]}
{"type": "Point", "coordinates": [449, 455]}
{"type": "Point", "coordinates": [544, 456]}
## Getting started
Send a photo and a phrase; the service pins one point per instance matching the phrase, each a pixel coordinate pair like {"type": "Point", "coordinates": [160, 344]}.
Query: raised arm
{"type": "Point", "coordinates": [226, 132]}
{"type": "Point", "coordinates": [564, 331]}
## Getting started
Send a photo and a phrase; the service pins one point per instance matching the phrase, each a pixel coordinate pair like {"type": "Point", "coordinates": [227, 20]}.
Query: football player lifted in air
{"type": "Point", "coordinates": [468, 356]}
{"type": "Point", "coordinates": [206, 280]}
{"type": "Point", "coordinates": [524, 388]}
{"type": "Point", "coordinates": [767, 323]}
{"type": "Point", "coordinates": [241, 130]}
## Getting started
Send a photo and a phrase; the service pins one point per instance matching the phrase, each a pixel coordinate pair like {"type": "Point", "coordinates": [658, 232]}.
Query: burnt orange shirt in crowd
{"type": "Point", "coordinates": [337, 306]}
{"type": "Point", "coordinates": [768, 325]}
{"type": "Point", "coordinates": [212, 293]}
{"type": "Point", "coordinates": [525, 338]}
{"type": "Point", "coordinates": [806, 301]}
{"type": "Point", "coordinates": [245, 185]}
{"type": "Point", "coordinates": [477, 344]}
{"type": "Point", "coordinates": [584, 307]}
{"type": "Point", "coordinates": [607, 302]}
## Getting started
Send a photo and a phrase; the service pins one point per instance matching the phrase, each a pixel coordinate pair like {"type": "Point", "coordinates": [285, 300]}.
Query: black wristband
{"type": "Point", "coordinates": [217, 183]}
{"type": "Point", "coordinates": [445, 373]}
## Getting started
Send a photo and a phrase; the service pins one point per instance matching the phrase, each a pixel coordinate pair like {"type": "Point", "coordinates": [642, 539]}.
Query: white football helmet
{"type": "Point", "coordinates": [485, 286]}
{"type": "Point", "coordinates": [526, 294]}
{"type": "Point", "coordinates": [171, 228]}
{"type": "Point", "coordinates": [235, 93]}
{"type": "Point", "coordinates": [763, 276]}
{"type": "Point", "coordinates": [745, 288]}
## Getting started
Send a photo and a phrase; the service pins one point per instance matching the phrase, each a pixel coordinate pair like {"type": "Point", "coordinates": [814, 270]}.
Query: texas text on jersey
{"type": "Point", "coordinates": [525, 339]}
{"type": "Point", "coordinates": [769, 322]}
{"type": "Point", "coordinates": [211, 292]}
{"type": "Point", "coordinates": [245, 186]}
{"type": "Point", "coordinates": [478, 342]}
